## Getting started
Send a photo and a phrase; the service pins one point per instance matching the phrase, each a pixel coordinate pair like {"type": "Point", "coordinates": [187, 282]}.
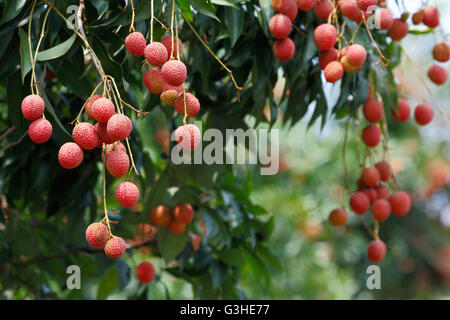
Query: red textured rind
{"type": "Point", "coordinates": [32, 107]}
{"type": "Point", "coordinates": [156, 54]}
{"type": "Point", "coordinates": [40, 131]}
{"type": "Point", "coordinates": [188, 137]}
{"type": "Point", "coordinates": [192, 104]}
{"type": "Point", "coordinates": [174, 72]}
{"type": "Point", "coordinates": [135, 44]}
{"type": "Point", "coordinates": [117, 163]}
{"type": "Point", "coordinates": [145, 272]}
{"type": "Point", "coordinates": [127, 194]}
{"type": "Point", "coordinates": [102, 110]}
{"type": "Point", "coordinates": [119, 127]}
{"type": "Point", "coordinates": [115, 247]}
{"type": "Point", "coordinates": [153, 80]}
{"type": "Point", "coordinates": [70, 155]}
{"type": "Point", "coordinates": [97, 234]}
{"type": "Point", "coordinates": [85, 135]}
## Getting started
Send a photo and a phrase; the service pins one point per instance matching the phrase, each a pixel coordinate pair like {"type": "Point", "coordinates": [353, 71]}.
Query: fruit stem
{"type": "Point", "coordinates": [376, 230]}
{"type": "Point", "coordinates": [151, 21]}
{"type": "Point", "coordinates": [77, 119]}
{"type": "Point", "coordinates": [344, 156]}
{"type": "Point", "coordinates": [300, 31]}
{"type": "Point", "coordinates": [172, 14]}
{"type": "Point", "coordinates": [367, 227]}
{"type": "Point", "coordinates": [33, 75]}
{"type": "Point", "coordinates": [132, 29]}
{"type": "Point", "coordinates": [380, 54]}
{"type": "Point", "coordinates": [355, 32]}
{"type": "Point", "coordinates": [185, 107]}
{"type": "Point", "coordinates": [106, 218]}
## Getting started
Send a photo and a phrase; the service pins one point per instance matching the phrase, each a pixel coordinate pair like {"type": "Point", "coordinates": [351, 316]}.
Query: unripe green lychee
{"type": "Point", "coordinates": [153, 80]}
{"type": "Point", "coordinates": [306, 5]}
{"type": "Point", "coordinates": [102, 133]}
{"type": "Point", "coordinates": [119, 127]}
{"type": "Point", "coordinates": [384, 19]}
{"type": "Point", "coordinates": [376, 250]}
{"type": "Point", "coordinates": [338, 217]}
{"type": "Point", "coordinates": [371, 135]}
{"type": "Point", "coordinates": [334, 71]}
{"type": "Point", "coordinates": [85, 135]}
{"type": "Point", "coordinates": [88, 106]}
{"type": "Point", "coordinates": [177, 227]}
{"type": "Point", "coordinates": [431, 16]}
{"type": "Point", "coordinates": [325, 36]}
{"type": "Point", "coordinates": [40, 130]}
{"type": "Point", "coordinates": [102, 109]}
{"type": "Point", "coordinates": [373, 111]}
{"type": "Point", "coordinates": [192, 104]}
{"type": "Point", "coordinates": [135, 44]}
{"type": "Point", "coordinates": [183, 213]}
{"type": "Point", "coordinates": [127, 194]}
{"type": "Point", "coordinates": [284, 49]}
{"type": "Point", "coordinates": [423, 114]}
{"type": "Point", "coordinates": [167, 42]}
{"type": "Point", "coordinates": [33, 107]}
{"type": "Point", "coordinates": [117, 163]}
{"type": "Point", "coordinates": [437, 74]}
{"type": "Point", "coordinates": [174, 72]}
{"type": "Point", "coordinates": [97, 234]}
{"type": "Point", "coordinates": [325, 57]}
{"type": "Point", "coordinates": [441, 52]}
{"type": "Point", "coordinates": [400, 203]}
{"type": "Point", "coordinates": [115, 247]}
{"type": "Point", "coordinates": [403, 110]}
{"type": "Point", "coordinates": [70, 155]}
{"type": "Point", "coordinates": [323, 9]}
{"type": "Point", "coordinates": [160, 216]}
{"type": "Point", "coordinates": [398, 30]}
{"type": "Point", "coordinates": [359, 203]}
{"type": "Point", "coordinates": [188, 137]}
{"type": "Point", "coordinates": [145, 272]}
{"type": "Point", "coordinates": [156, 54]}
{"type": "Point", "coordinates": [280, 26]}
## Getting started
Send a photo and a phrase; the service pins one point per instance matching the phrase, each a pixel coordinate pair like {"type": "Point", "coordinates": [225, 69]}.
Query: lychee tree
{"type": "Point", "coordinates": [99, 87]}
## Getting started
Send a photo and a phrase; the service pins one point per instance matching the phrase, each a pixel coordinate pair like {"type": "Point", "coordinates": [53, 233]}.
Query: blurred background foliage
{"type": "Point", "coordinates": [254, 236]}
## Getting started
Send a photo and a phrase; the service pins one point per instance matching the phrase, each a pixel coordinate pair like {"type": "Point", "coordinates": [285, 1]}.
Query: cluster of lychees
{"type": "Point", "coordinates": [168, 81]}
{"type": "Point", "coordinates": [176, 220]}
{"type": "Point", "coordinates": [40, 129]}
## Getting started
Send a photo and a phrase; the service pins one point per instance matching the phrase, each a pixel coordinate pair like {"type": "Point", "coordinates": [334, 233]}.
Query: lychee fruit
{"type": "Point", "coordinates": [400, 203]}
{"type": "Point", "coordinates": [160, 216]}
{"type": "Point", "coordinates": [115, 247]}
{"type": "Point", "coordinates": [102, 132]}
{"type": "Point", "coordinates": [371, 193]}
{"type": "Point", "coordinates": [33, 106]}
{"type": "Point", "coordinates": [423, 114]}
{"type": "Point", "coordinates": [291, 9]}
{"type": "Point", "coordinates": [70, 155]}
{"type": "Point", "coordinates": [437, 74]}
{"type": "Point", "coordinates": [102, 109]}
{"type": "Point", "coordinates": [167, 42]}
{"type": "Point", "coordinates": [371, 135]}
{"type": "Point", "coordinates": [153, 80]}
{"type": "Point", "coordinates": [97, 234]}
{"type": "Point", "coordinates": [384, 19]}
{"type": "Point", "coordinates": [119, 127]}
{"type": "Point", "coordinates": [373, 111]}
{"type": "Point", "coordinates": [188, 137]}
{"type": "Point", "coordinates": [441, 52]}
{"type": "Point", "coordinates": [85, 135]}
{"type": "Point", "coordinates": [356, 55]}
{"type": "Point", "coordinates": [112, 147]}
{"type": "Point", "coordinates": [177, 227]}
{"type": "Point", "coordinates": [135, 44]}
{"type": "Point", "coordinates": [376, 250]}
{"type": "Point", "coordinates": [88, 106]}
{"type": "Point", "coordinates": [365, 4]}
{"type": "Point", "coordinates": [359, 203]}
{"type": "Point", "coordinates": [323, 9]}
{"type": "Point", "coordinates": [381, 210]}
{"type": "Point", "coordinates": [192, 104]}
{"type": "Point", "coordinates": [280, 26]}
{"type": "Point", "coordinates": [183, 213]}
{"type": "Point", "coordinates": [284, 49]}
{"type": "Point", "coordinates": [325, 36]}
{"type": "Point", "coordinates": [127, 194]}
{"type": "Point", "coordinates": [384, 168]}
{"type": "Point", "coordinates": [350, 9]}
{"type": "Point", "coordinates": [417, 17]}
{"type": "Point", "coordinates": [174, 72]}
{"type": "Point", "coordinates": [338, 217]}
{"type": "Point", "coordinates": [398, 30]}
{"type": "Point", "coordinates": [334, 71]}
{"type": "Point", "coordinates": [145, 272]}
{"type": "Point", "coordinates": [156, 54]}
{"type": "Point", "coordinates": [431, 16]}
{"type": "Point", "coordinates": [117, 163]}
{"type": "Point", "coordinates": [325, 57]}
{"type": "Point", "coordinates": [306, 5]}
{"type": "Point", "coordinates": [382, 192]}
{"type": "Point", "coordinates": [170, 93]}
{"type": "Point", "coordinates": [403, 110]}
{"type": "Point", "coordinates": [40, 130]}
{"type": "Point", "coordinates": [370, 176]}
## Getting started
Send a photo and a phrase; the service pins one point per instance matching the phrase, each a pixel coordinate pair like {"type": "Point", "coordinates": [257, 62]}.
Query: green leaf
{"type": "Point", "coordinates": [56, 51]}
{"type": "Point", "coordinates": [204, 8]}
{"type": "Point", "coordinates": [12, 10]}
{"type": "Point", "coordinates": [232, 257]}
{"type": "Point", "coordinates": [234, 20]}
{"type": "Point", "coordinates": [25, 63]}
{"type": "Point", "coordinates": [169, 244]}
{"type": "Point", "coordinates": [226, 3]}
{"type": "Point", "coordinates": [109, 283]}
{"type": "Point", "coordinates": [49, 108]}
{"type": "Point", "coordinates": [186, 9]}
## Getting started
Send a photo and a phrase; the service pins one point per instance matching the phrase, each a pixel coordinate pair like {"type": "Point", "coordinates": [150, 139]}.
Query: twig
{"type": "Point", "coordinates": [15, 143]}
{"type": "Point", "coordinates": [7, 133]}
{"type": "Point", "coordinates": [132, 29]}
{"type": "Point", "coordinates": [300, 31]}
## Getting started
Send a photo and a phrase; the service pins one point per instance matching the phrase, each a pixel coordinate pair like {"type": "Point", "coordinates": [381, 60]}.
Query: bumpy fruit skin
{"type": "Point", "coordinates": [174, 72]}
{"type": "Point", "coordinates": [284, 49]}
{"type": "Point", "coordinates": [384, 19]}
{"type": "Point", "coordinates": [431, 16]}
{"type": "Point", "coordinates": [127, 194]}
{"type": "Point", "coordinates": [115, 247]}
{"type": "Point", "coordinates": [119, 127]}
{"type": "Point", "coordinates": [325, 57]}
{"type": "Point", "coordinates": [371, 193]}
{"type": "Point", "coordinates": [356, 55]}
{"type": "Point", "coordinates": [112, 147]}
{"type": "Point", "coordinates": [85, 135]}
{"type": "Point", "coordinates": [177, 227]}
{"type": "Point", "coordinates": [365, 4]}
{"type": "Point", "coordinates": [88, 106]}
{"type": "Point", "coordinates": [370, 176]}
{"type": "Point", "coordinates": [135, 44]}
{"type": "Point", "coordinates": [70, 155]}
{"type": "Point", "coordinates": [441, 52]}
{"type": "Point", "coordinates": [291, 9]}
{"type": "Point", "coordinates": [334, 71]}
{"type": "Point", "coordinates": [338, 217]}
{"type": "Point", "coordinates": [97, 234]}
{"type": "Point", "coordinates": [437, 74]}
{"type": "Point", "coordinates": [400, 203]}
{"type": "Point", "coordinates": [325, 36]}
{"type": "Point", "coordinates": [382, 192]}
{"type": "Point", "coordinates": [102, 110]}
{"type": "Point", "coordinates": [183, 213]}
{"type": "Point", "coordinates": [359, 203]}
{"type": "Point", "coordinates": [33, 107]}
{"type": "Point", "coordinates": [384, 168]}
{"type": "Point", "coordinates": [381, 210]}
{"type": "Point", "coordinates": [145, 272]}
{"type": "Point", "coordinates": [371, 135]}
{"type": "Point", "coordinates": [170, 93]}
{"type": "Point", "coordinates": [117, 163]}
{"type": "Point", "coordinates": [373, 111]}
{"type": "Point", "coordinates": [280, 26]}
{"type": "Point", "coordinates": [188, 137]}
{"type": "Point", "coordinates": [306, 5]}
{"type": "Point", "coordinates": [376, 250]}
{"type": "Point", "coordinates": [40, 130]}
{"type": "Point", "coordinates": [423, 114]}
{"type": "Point", "coordinates": [403, 111]}
{"type": "Point", "coordinates": [192, 104]}
{"type": "Point", "coordinates": [156, 54]}
{"type": "Point", "coordinates": [102, 133]}
{"type": "Point", "coordinates": [167, 42]}
{"type": "Point", "coordinates": [417, 17]}
{"type": "Point", "coordinates": [153, 80]}
{"type": "Point", "coordinates": [323, 9]}
{"type": "Point", "coordinates": [398, 30]}
{"type": "Point", "coordinates": [160, 216]}
{"type": "Point", "coordinates": [350, 9]}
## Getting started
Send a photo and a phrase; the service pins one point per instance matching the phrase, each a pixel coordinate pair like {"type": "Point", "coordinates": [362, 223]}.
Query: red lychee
{"type": "Point", "coordinates": [188, 137]}
{"type": "Point", "coordinates": [85, 135]}
{"type": "Point", "coordinates": [153, 80]}
{"type": "Point", "coordinates": [325, 57]}
{"type": "Point", "coordinates": [40, 130]}
{"type": "Point", "coordinates": [417, 17]}
{"type": "Point", "coordinates": [384, 168]}
{"type": "Point", "coordinates": [112, 147]}
{"type": "Point", "coordinates": [174, 72]}
{"type": "Point", "coordinates": [284, 49]}
{"type": "Point", "coordinates": [70, 155]}
{"type": "Point", "coordinates": [350, 9]}
{"type": "Point", "coordinates": [135, 44]}
{"type": "Point", "coordinates": [338, 217]}
{"type": "Point", "coordinates": [441, 52]}
{"type": "Point", "coordinates": [359, 202]}
{"type": "Point", "coordinates": [156, 54]}
{"type": "Point", "coordinates": [280, 26]}
{"type": "Point", "coordinates": [365, 4]}
{"type": "Point", "coordinates": [403, 110]}
{"type": "Point", "coordinates": [183, 213]}
{"type": "Point", "coordinates": [400, 203]}
{"type": "Point", "coordinates": [376, 250]}
{"type": "Point", "coordinates": [356, 55]}
{"type": "Point", "coordinates": [381, 210]}
{"type": "Point", "coordinates": [398, 30]}
{"type": "Point", "coordinates": [325, 36]}
{"type": "Point", "coordinates": [102, 132]}
{"type": "Point", "coordinates": [97, 234]}
{"type": "Point", "coordinates": [117, 163]}
{"type": "Point", "coordinates": [160, 216]}
{"type": "Point", "coordinates": [145, 272]}
{"type": "Point", "coordinates": [370, 176]}
{"type": "Point", "coordinates": [431, 16]}
{"type": "Point", "coordinates": [423, 114]}
{"type": "Point", "coordinates": [306, 5]}
{"type": "Point", "coordinates": [88, 106]}
{"type": "Point", "coordinates": [192, 104]}
{"type": "Point", "coordinates": [371, 135]}
{"type": "Point", "coordinates": [291, 9]}
{"type": "Point", "coordinates": [437, 74]}
{"type": "Point", "coordinates": [177, 227]}
{"type": "Point", "coordinates": [127, 194]}
{"type": "Point", "coordinates": [323, 9]}
{"type": "Point", "coordinates": [384, 19]}
{"type": "Point", "coordinates": [33, 107]}
{"type": "Point", "coordinates": [167, 42]}
{"type": "Point", "coordinates": [373, 111]}
{"type": "Point", "coordinates": [371, 193]}
{"type": "Point", "coordinates": [115, 247]}
{"type": "Point", "coordinates": [382, 192]}
{"type": "Point", "coordinates": [119, 127]}
{"type": "Point", "coordinates": [102, 109]}
{"type": "Point", "coordinates": [334, 71]}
